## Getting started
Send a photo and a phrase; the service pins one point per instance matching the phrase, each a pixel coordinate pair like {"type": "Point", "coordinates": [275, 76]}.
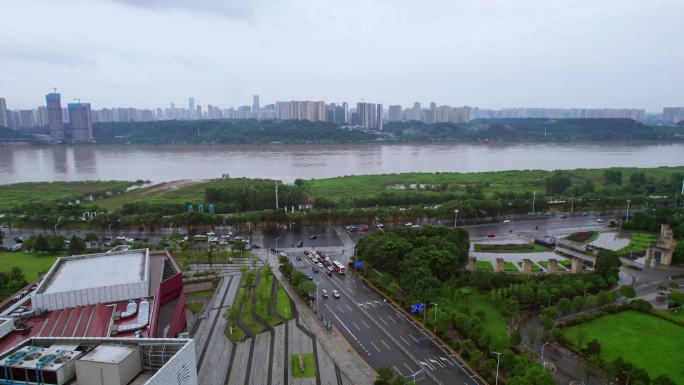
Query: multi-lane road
{"type": "Point", "coordinates": [381, 333]}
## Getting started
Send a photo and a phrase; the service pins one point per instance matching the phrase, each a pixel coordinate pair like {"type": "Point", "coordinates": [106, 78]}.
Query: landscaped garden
{"type": "Point", "coordinates": [484, 265]}
{"type": "Point", "coordinates": [510, 247]}
{"type": "Point", "coordinates": [510, 266]}
{"type": "Point", "coordinates": [257, 299]}
{"type": "Point", "coordinates": [583, 236]}
{"type": "Point", "coordinates": [638, 243]}
{"type": "Point", "coordinates": [303, 365]}
{"type": "Point", "coordinates": [647, 341]}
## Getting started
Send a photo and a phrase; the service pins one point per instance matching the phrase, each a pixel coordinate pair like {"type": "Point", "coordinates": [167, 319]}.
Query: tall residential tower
{"type": "Point", "coordinates": [81, 122]}
{"type": "Point", "coordinates": [55, 117]}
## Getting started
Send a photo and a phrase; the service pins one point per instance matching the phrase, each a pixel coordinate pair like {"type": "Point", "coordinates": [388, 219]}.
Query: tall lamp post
{"type": "Point", "coordinates": [276, 245]}
{"type": "Point", "coordinates": [498, 356]}
{"type": "Point", "coordinates": [628, 202]}
{"type": "Point", "coordinates": [542, 353]}
{"type": "Point", "coordinates": [435, 305]}
{"type": "Point", "coordinates": [455, 217]}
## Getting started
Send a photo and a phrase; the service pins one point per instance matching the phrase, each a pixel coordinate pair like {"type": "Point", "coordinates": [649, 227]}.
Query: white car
{"type": "Point", "coordinates": [324, 293]}
{"type": "Point", "coordinates": [599, 220]}
{"type": "Point", "coordinates": [336, 294]}
{"type": "Point", "coordinates": [320, 265]}
{"type": "Point", "coordinates": [507, 221]}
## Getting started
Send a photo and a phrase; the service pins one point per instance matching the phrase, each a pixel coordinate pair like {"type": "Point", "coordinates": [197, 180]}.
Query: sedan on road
{"type": "Point", "coordinates": [324, 293]}
{"type": "Point", "coordinates": [336, 294]}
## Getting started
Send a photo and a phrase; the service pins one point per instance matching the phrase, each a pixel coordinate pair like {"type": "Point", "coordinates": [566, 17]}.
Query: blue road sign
{"type": "Point", "coordinates": [417, 308]}
{"type": "Point", "coordinates": [358, 265]}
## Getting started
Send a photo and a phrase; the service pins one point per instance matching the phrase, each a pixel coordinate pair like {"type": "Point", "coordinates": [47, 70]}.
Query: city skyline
{"type": "Point", "coordinates": [531, 53]}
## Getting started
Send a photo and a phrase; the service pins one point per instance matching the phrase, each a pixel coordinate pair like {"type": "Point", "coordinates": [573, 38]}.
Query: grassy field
{"type": "Point", "coordinates": [176, 192]}
{"type": "Point", "coordinates": [284, 306]}
{"type": "Point", "coordinates": [349, 187]}
{"type": "Point", "coordinates": [33, 264]}
{"type": "Point", "coordinates": [644, 340]}
{"type": "Point", "coordinates": [309, 366]}
{"type": "Point", "coordinates": [510, 266]}
{"type": "Point", "coordinates": [493, 322]}
{"type": "Point", "coordinates": [484, 265]}
{"type": "Point", "coordinates": [195, 307]}
{"type": "Point", "coordinates": [638, 243]}
{"type": "Point", "coordinates": [14, 195]}
{"type": "Point", "coordinates": [263, 293]}
{"type": "Point", "coordinates": [510, 248]}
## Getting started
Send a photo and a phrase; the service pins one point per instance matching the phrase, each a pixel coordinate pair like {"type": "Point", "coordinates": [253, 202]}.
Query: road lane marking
{"type": "Point", "coordinates": [362, 305]}
{"type": "Point", "coordinates": [426, 364]}
{"type": "Point", "coordinates": [398, 371]}
{"type": "Point", "coordinates": [348, 307]}
{"type": "Point", "coordinates": [390, 317]}
{"type": "Point", "coordinates": [376, 348]}
{"type": "Point", "coordinates": [408, 367]}
{"type": "Point", "coordinates": [406, 342]}
{"type": "Point", "coordinates": [414, 338]}
{"type": "Point", "coordinates": [383, 321]}
{"type": "Point", "coordinates": [347, 329]}
{"type": "Point", "coordinates": [340, 310]}
{"type": "Point", "coordinates": [387, 346]}
{"type": "Point", "coordinates": [435, 362]}
{"type": "Point", "coordinates": [365, 324]}
{"type": "Point", "coordinates": [370, 304]}
{"type": "Point", "coordinates": [356, 326]}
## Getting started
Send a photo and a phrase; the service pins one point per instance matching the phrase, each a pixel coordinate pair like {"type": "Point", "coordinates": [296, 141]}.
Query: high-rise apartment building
{"type": "Point", "coordinates": [191, 106]}
{"type": "Point", "coordinates": [4, 120]}
{"type": "Point", "coordinates": [27, 119]}
{"type": "Point", "coordinates": [395, 113]}
{"type": "Point", "coordinates": [670, 114]}
{"type": "Point", "coordinates": [335, 114]}
{"type": "Point", "coordinates": [81, 122]}
{"type": "Point", "coordinates": [55, 116]}
{"type": "Point", "coordinates": [301, 110]}
{"type": "Point", "coordinates": [369, 115]}
{"type": "Point", "coordinates": [198, 113]}
{"type": "Point", "coordinates": [256, 109]}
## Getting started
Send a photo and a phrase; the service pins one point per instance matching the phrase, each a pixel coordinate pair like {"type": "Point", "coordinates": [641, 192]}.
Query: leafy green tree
{"type": "Point", "coordinates": [607, 264]}
{"type": "Point", "coordinates": [612, 176]}
{"type": "Point", "coordinates": [593, 348]}
{"type": "Point", "coordinates": [627, 291]}
{"type": "Point", "coordinates": [557, 183]}
{"type": "Point", "coordinates": [76, 245]}
{"type": "Point", "coordinates": [638, 180]}
{"type": "Point", "coordinates": [515, 338]}
{"type": "Point", "coordinates": [676, 298]}
{"type": "Point", "coordinates": [16, 274]}
{"type": "Point", "coordinates": [39, 243]}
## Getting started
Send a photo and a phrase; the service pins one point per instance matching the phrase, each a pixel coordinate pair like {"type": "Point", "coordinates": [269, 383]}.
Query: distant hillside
{"type": "Point", "coordinates": [226, 131]}
{"type": "Point", "coordinates": [534, 129]}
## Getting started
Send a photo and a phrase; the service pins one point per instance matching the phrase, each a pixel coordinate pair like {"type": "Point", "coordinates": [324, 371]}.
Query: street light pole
{"type": "Point", "coordinates": [435, 305]}
{"type": "Point", "coordinates": [276, 245]}
{"type": "Point", "coordinates": [455, 217]}
{"type": "Point", "coordinates": [542, 352]}
{"type": "Point", "coordinates": [628, 202]}
{"type": "Point", "coordinates": [498, 356]}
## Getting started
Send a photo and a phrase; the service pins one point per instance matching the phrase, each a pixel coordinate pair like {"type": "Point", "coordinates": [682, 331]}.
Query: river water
{"type": "Point", "coordinates": [288, 162]}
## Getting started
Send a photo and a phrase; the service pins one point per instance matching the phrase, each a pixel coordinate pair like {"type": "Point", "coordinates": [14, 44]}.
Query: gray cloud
{"type": "Point", "coordinates": [495, 53]}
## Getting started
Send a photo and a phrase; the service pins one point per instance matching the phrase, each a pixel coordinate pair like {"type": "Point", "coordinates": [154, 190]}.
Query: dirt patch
{"type": "Point", "coordinates": [171, 186]}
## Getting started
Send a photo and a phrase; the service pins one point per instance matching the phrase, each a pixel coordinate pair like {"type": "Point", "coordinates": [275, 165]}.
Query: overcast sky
{"type": "Point", "coordinates": [486, 53]}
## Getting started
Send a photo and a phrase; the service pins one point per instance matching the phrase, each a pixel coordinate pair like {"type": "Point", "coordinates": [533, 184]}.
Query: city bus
{"type": "Point", "coordinates": [339, 267]}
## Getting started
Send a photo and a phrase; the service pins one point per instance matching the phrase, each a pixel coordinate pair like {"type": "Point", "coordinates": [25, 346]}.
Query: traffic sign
{"type": "Point", "coordinates": [329, 325]}
{"type": "Point", "coordinates": [358, 265]}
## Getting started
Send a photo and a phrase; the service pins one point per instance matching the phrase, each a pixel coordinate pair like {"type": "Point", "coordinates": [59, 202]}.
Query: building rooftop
{"type": "Point", "coordinates": [110, 354]}
{"type": "Point", "coordinates": [96, 270]}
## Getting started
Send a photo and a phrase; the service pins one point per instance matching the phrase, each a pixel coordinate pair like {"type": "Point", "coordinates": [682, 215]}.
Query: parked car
{"type": "Point", "coordinates": [491, 235]}
{"type": "Point", "coordinates": [314, 268]}
{"type": "Point", "coordinates": [309, 277]}
{"type": "Point", "coordinates": [320, 265]}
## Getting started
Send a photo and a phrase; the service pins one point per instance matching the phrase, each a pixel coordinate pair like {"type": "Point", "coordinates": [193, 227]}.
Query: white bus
{"type": "Point", "coordinates": [339, 267]}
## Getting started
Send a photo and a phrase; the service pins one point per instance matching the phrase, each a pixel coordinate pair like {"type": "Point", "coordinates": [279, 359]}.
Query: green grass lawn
{"type": "Point", "coordinates": [309, 366]}
{"type": "Point", "coordinates": [565, 263]}
{"type": "Point", "coordinates": [284, 307]}
{"type": "Point", "coordinates": [359, 186]}
{"type": "Point", "coordinates": [203, 294]}
{"type": "Point", "coordinates": [14, 195]}
{"type": "Point", "coordinates": [510, 266]}
{"type": "Point", "coordinates": [33, 264]}
{"type": "Point", "coordinates": [264, 296]}
{"type": "Point", "coordinates": [638, 243]}
{"type": "Point", "coordinates": [493, 322]}
{"type": "Point", "coordinates": [646, 341]}
{"type": "Point", "coordinates": [485, 265]}
{"type": "Point", "coordinates": [195, 307]}
{"type": "Point", "coordinates": [510, 248]}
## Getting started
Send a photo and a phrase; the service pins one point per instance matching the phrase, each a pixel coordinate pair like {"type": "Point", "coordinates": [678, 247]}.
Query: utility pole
{"type": "Point", "coordinates": [455, 217]}
{"type": "Point", "coordinates": [435, 305]}
{"type": "Point", "coordinates": [276, 193]}
{"type": "Point", "coordinates": [628, 202]}
{"type": "Point", "coordinates": [572, 205]}
{"type": "Point", "coordinates": [534, 200]}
